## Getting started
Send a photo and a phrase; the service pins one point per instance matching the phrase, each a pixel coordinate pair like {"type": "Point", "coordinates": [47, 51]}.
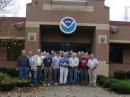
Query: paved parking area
{"type": "Point", "coordinates": [64, 91]}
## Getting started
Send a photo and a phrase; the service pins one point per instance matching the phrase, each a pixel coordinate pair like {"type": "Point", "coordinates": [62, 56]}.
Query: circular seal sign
{"type": "Point", "coordinates": [68, 25]}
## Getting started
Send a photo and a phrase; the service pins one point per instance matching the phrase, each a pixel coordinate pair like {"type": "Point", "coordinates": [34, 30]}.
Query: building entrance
{"type": "Point", "coordinates": [48, 46]}
{"type": "Point", "coordinates": [53, 39]}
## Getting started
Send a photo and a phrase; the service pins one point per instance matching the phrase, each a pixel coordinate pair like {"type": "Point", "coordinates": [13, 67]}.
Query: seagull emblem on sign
{"type": "Point", "coordinates": [68, 25]}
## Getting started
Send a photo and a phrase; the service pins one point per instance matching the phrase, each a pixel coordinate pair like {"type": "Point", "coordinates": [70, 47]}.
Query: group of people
{"type": "Point", "coordinates": [58, 67]}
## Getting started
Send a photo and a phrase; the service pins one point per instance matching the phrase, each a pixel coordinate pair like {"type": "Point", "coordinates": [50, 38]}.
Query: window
{"type": "Point", "coordinates": [10, 49]}
{"type": "Point", "coordinates": [14, 50]}
{"type": "Point", "coordinates": [70, 1]}
{"type": "Point", "coordinates": [116, 53]}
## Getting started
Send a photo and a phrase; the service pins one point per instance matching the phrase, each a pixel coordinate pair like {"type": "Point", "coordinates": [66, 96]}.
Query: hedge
{"type": "Point", "coordinates": [6, 86]}
{"type": "Point", "coordinates": [101, 79]}
{"type": "Point", "coordinates": [8, 83]}
{"type": "Point", "coordinates": [119, 75]}
{"type": "Point", "coordinates": [128, 75]}
{"type": "Point", "coordinates": [108, 82]}
{"type": "Point", "coordinates": [12, 71]}
{"type": "Point", "coordinates": [119, 86]}
{"type": "Point", "coordinates": [122, 87]}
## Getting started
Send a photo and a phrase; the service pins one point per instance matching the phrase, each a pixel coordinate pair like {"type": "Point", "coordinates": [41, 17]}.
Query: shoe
{"type": "Point", "coordinates": [56, 84]}
{"type": "Point", "coordinates": [45, 84]}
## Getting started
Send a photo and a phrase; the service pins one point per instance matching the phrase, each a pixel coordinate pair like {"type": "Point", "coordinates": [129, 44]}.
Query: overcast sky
{"type": "Point", "coordinates": [116, 6]}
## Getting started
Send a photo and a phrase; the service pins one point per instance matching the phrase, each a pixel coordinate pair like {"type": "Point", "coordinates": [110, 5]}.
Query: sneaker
{"type": "Point", "coordinates": [56, 84]}
{"type": "Point", "coordinates": [48, 84]}
{"type": "Point", "coordinates": [45, 84]}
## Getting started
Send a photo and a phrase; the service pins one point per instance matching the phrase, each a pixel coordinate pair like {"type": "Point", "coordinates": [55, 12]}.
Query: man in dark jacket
{"type": "Point", "coordinates": [23, 65]}
{"type": "Point", "coordinates": [47, 69]}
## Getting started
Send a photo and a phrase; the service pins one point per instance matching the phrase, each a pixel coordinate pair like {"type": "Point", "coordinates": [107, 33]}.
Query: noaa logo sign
{"type": "Point", "coordinates": [68, 25]}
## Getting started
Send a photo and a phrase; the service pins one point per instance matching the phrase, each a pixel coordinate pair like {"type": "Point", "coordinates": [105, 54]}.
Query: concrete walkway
{"type": "Point", "coordinates": [64, 91]}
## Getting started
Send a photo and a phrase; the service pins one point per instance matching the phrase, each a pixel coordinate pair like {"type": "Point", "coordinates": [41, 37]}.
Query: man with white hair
{"type": "Point", "coordinates": [92, 64]}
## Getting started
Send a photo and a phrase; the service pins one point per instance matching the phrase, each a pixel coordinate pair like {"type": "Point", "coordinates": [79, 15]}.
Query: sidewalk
{"type": "Point", "coordinates": [64, 91]}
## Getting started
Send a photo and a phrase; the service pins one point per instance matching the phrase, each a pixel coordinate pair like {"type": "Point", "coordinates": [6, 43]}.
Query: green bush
{"type": "Point", "coordinates": [119, 75]}
{"type": "Point", "coordinates": [23, 83]}
{"type": "Point", "coordinates": [122, 87]}
{"type": "Point", "coordinates": [12, 72]}
{"type": "Point", "coordinates": [99, 77]}
{"type": "Point", "coordinates": [6, 86]}
{"type": "Point", "coordinates": [3, 76]}
{"type": "Point", "coordinates": [108, 82]}
{"type": "Point", "coordinates": [8, 83]}
{"type": "Point", "coordinates": [3, 70]}
{"type": "Point", "coordinates": [101, 81]}
{"type": "Point", "coordinates": [128, 75]}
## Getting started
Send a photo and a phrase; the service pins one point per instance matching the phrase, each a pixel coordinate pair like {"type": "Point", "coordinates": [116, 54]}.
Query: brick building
{"type": "Point", "coordinates": [109, 41]}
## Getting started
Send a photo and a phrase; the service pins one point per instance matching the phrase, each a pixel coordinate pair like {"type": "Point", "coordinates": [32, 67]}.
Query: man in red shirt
{"type": "Point", "coordinates": [84, 68]}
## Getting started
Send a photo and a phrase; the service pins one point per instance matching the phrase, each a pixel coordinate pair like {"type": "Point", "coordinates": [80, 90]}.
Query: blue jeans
{"type": "Point", "coordinates": [73, 75]}
{"type": "Point", "coordinates": [37, 76]}
{"type": "Point", "coordinates": [23, 72]}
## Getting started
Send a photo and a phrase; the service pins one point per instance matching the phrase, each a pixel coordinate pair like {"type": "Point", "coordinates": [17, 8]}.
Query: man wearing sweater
{"type": "Point", "coordinates": [74, 63]}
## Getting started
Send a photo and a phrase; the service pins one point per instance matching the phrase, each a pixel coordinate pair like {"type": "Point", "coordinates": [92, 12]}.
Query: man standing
{"type": "Point", "coordinates": [74, 63]}
{"type": "Point", "coordinates": [64, 63]}
{"type": "Point", "coordinates": [30, 63]}
{"type": "Point", "coordinates": [56, 67]}
{"type": "Point", "coordinates": [23, 65]}
{"type": "Point", "coordinates": [92, 64]}
{"type": "Point", "coordinates": [47, 70]}
{"type": "Point", "coordinates": [84, 68]}
{"type": "Point", "coordinates": [37, 64]}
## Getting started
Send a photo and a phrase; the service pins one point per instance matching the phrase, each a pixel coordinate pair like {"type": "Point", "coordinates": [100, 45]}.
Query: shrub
{"type": "Point", "coordinates": [23, 83]}
{"type": "Point", "coordinates": [101, 81]}
{"type": "Point", "coordinates": [99, 77]}
{"type": "Point", "coordinates": [122, 87]}
{"type": "Point", "coordinates": [108, 82]}
{"type": "Point", "coordinates": [3, 70]}
{"type": "Point", "coordinates": [119, 75]}
{"type": "Point", "coordinates": [6, 86]}
{"type": "Point", "coordinates": [12, 72]}
{"type": "Point", "coordinates": [3, 76]}
{"type": "Point", "coordinates": [128, 75]}
{"type": "Point", "coordinates": [7, 82]}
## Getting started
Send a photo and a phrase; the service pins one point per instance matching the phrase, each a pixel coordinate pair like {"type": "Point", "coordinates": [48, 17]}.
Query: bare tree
{"type": "Point", "coordinates": [4, 3]}
{"type": "Point", "coordinates": [8, 6]}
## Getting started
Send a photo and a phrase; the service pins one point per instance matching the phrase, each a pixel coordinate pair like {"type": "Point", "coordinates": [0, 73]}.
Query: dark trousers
{"type": "Point", "coordinates": [84, 76]}
{"type": "Point", "coordinates": [56, 75]}
{"type": "Point", "coordinates": [47, 74]}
